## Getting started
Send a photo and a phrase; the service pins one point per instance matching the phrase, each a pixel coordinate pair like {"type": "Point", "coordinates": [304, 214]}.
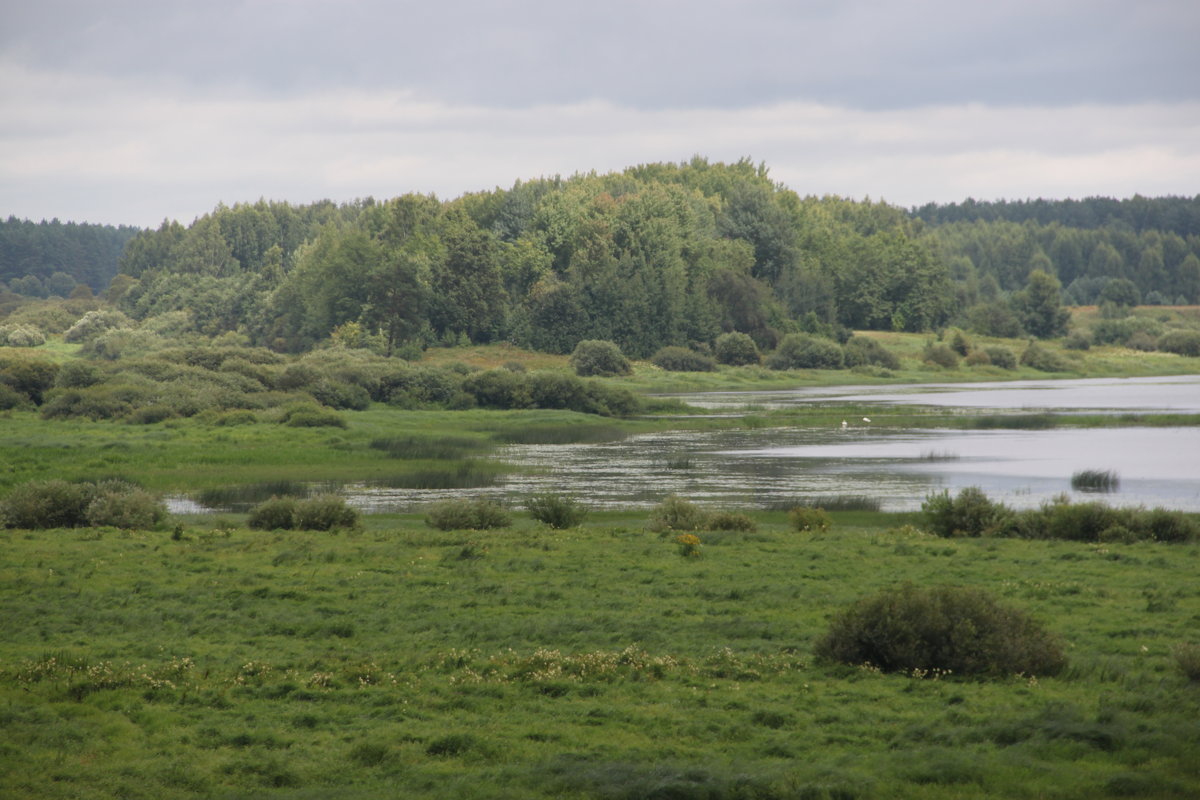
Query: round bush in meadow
{"type": "Point", "coordinates": [812, 520]}
{"type": "Point", "coordinates": [801, 351]}
{"type": "Point", "coordinates": [862, 351]}
{"type": "Point", "coordinates": [276, 514]}
{"type": "Point", "coordinates": [941, 629]}
{"type": "Point", "coordinates": [677, 514]}
{"type": "Point", "coordinates": [1001, 357]}
{"type": "Point", "coordinates": [325, 513]}
{"type": "Point", "coordinates": [736, 349]}
{"type": "Point", "coordinates": [681, 359]}
{"type": "Point", "coordinates": [599, 357]}
{"type": "Point", "coordinates": [467, 515]}
{"type": "Point", "coordinates": [555, 510]}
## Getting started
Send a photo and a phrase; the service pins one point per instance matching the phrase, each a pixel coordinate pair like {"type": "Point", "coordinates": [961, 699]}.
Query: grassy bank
{"type": "Point", "coordinates": [595, 662]}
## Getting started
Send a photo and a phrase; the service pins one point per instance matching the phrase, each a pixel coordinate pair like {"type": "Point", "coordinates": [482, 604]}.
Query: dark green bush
{"type": "Point", "coordinates": [47, 504]}
{"type": "Point", "coordinates": [969, 514]}
{"type": "Point", "coordinates": [467, 515]}
{"type": "Point", "coordinates": [1181, 342]}
{"type": "Point", "coordinates": [806, 518]}
{"type": "Point", "coordinates": [1187, 659]}
{"type": "Point", "coordinates": [308, 415]}
{"type": "Point", "coordinates": [340, 395]}
{"type": "Point", "coordinates": [1001, 357]}
{"type": "Point", "coordinates": [30, 376]}
{"type": "Point", "coordinates": [499, 388]}
{"type": "Point", "coordinates": [559, 390]}
{"type": "Point", "coordinates": [102, 401]}
{"type": "Point", "coordinates": [941, 355]}
{"type": "Point", "coordinates": [736, 349]}
{"type": "Point", "coordinates": [731, 521]}
{"type": "Point", "coordinates": [611, 401]}
{"type": "Point", "coordinates": [325, 513]}
{"type": "Point", "coordinates": [555, 510]}
{"type": "Point", "coordinates": [681, 359]}
{"type": "Point", "coordinates": [920, 630]}
{"type": "Point", "coordinates": [958, 342]}
{"type": "Point", "coordinates": [94, 323]}
{"type": "Point", "coordinates": [60, 504]}
{"type": "Point", "coordinates": [599, 357]}
{"type": "Point", "coordinates": [276, 514]}
{"type": "Point", "coordinates": [77, 375]}
{"type": "Point", "coordinates": [862, 351]}
{"type": "Point", "coordinates": [801, 351]}
{"type": "Point", "coordinates": [1077, 340]}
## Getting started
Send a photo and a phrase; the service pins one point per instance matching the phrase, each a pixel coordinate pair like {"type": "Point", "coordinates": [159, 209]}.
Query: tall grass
{"type": "Point", "coordinates": [1094, 480]}
{"type": "Point", "coordinates": [242, 497]}
{"type": "Point", "coordinates": [561, 433]}
{"type": "Point", "coordinates": [829, 502]}
{"type": "Point", "coordinates": [428, 447]}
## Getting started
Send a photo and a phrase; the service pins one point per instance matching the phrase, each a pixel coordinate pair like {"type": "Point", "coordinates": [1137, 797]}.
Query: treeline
{"type": "Point", "coordinates": [656, 255]}
{"type": "Point", "coordinates": [41, 259]}
{"type": "Point", "coordinates": [1148, 245]}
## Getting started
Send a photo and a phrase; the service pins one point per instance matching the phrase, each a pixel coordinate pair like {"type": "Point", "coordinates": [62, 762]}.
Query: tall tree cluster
{"type": "Point", "coordinates": [656, 255]}
{"type": "Point", "coordinates": [40, 259]}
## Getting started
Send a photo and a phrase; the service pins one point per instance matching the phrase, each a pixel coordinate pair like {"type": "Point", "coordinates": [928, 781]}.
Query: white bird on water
{"type": "Point", "coordinates": [866, 419]}
{"type": "Point", "coordinates": [845, 424]}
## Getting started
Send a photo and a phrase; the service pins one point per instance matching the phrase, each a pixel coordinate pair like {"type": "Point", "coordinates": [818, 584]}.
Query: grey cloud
{"type": "Point", "coordinates": [639, 53]}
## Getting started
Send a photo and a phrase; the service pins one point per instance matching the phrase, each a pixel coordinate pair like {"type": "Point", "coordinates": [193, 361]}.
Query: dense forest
{"type": "Point", "coordinates": [656, 255]}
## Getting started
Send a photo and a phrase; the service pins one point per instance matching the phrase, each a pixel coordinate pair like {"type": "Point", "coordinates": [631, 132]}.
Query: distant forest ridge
{"type": "Point", "coordinates": [655, 255]}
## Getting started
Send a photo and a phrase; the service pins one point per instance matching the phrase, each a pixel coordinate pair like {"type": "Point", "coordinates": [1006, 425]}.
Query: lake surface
{"type": "Point", "coordinates": [899, 467]}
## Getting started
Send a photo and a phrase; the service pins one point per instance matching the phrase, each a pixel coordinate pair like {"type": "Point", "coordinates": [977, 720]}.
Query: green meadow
{"type": "Point", "coordinates": [597, 662]}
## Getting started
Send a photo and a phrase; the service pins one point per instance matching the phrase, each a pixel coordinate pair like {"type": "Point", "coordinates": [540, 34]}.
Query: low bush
{"type": "Point", "coordinates": [1187, 659]}
{"type": "Point", "coordinates": [276, 514]}
{"type": "Point", "coordinates": [1181, 342]}
{"type": "Point", "coordinates": [21, 336]}
{"type": "Point", "coordinates": [808, 519]}
{"type": "Point", "coordinates": [1077, 340]}
{"type": "Point", "coordinates": [599, 357]}
{"type": "Point", "coordinates": [677, 514]}
{"type": "Point", "coordinates": [325, 513]}
{"type": "Point", "coordinates": [731, 521]}
{"type": "Point", "coordinates": [978, 358]}
{"type": "Point", "coordinates": [940, 355]}
{"type": "Point", "coordinates": [1095, 480]}
{"type": "Point", "coordinates": [941, 629]}
{"type": "Point", "coordinates": [801, 351]}
{"type": "Point", "coordinates": [1001, 357]}
{"type": "Point", "coordinates": [555, 510]}
{"type": "Point", "coordinates": [681, 359]}
{"type": "Point", "coordinates": [94, 323]}
{"type": "Point", "coordinates": [467, 515]}
{"type": "Point", "coordinates": [862, 351]}
{"type": "Point", "coordinates": [499, 388]}
{"type": "Point", "coordinates": [340, 395]}
{"type": "Point", "coordinates": [958, 342]}
{"type": "Point", "coordinates": [1042, 358]}
{"type": "Point", "coordinates": [969, 514]}
{"type": "Point", "coordinates": [62, 504]}
{"type": "Point", "coordinates": [307, 415]}
{"type": "Point", "coordinates": [736, 349]}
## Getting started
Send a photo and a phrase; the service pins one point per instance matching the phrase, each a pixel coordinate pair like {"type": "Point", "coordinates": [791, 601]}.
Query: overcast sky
{"type": "Point", "coordinates": [132, 111]}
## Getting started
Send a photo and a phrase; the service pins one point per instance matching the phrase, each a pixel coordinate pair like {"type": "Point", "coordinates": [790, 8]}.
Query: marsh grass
{"type": "Point", "coordinates": [831, 502]}
{"type": "Point", "coordinates": [464, 474]}
{"type": "Point", "coordinates": [1026, 422]}
{"type": "Point", "coordinates": [1095, 481]}
{"type": "Point", "coordinates": [565, 433]}
{"type": "Point", "coordinates": [243, 496]}
{"type": "Point", "coordinates": [429, 447]}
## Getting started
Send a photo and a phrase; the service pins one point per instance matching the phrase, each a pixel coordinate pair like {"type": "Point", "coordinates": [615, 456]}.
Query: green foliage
{"type": "Point", "coordinates": [941, 630]}
{"type": "Point", "coordinates": [681, 359]}
{"type": "Point", "coordinates": [276, 514]}
{"type": "Point", "coordinates": [29, 376]}
{"type": "Point", "coordinates": [1095, 480]}
{"type": "Point", "coordinates": [807, 519]}
{"type": "Point", "coordinates": [736, 349]}
{"type": "Point", "coordinates": [1181, 342]}
{"type": "Point", "coordinates": [555, 510]}
{"type": "Point", "coordinates": [862, 350]}
{"type": "Point", "coordinates": [677, 514]}
{"type": "Point", "coordinates": [308, 415]}
{"type": "Point", "coordinates": [325, 513]}
{"type": "Point", "coordinates": [61, 504]}
{"type": "Point", "coordinates": [941, 355]}
{"type": "Point", "coordinates": [597, 357]}
{"type": "Point", "coordinates": [1042, 358]}
{"type": "Point", "coordinates": [731, 521]}
{"type": "Point", "coordinates": [1187, 659]}
{"type": "Point", "coordinates": [801, 351]}
{"type": "Point", "coordinates": [499, 388]}
{"type": "Point", "coordinates": [1001, 356]}
{"type": "Point", "coordinates": [94, 323]}
{"type": "Point", "coordinates": [467, 515]}
{"type": "Point", "coordinates": [21, 336]}
{"type": "Point", "coordinates": [971, 513]}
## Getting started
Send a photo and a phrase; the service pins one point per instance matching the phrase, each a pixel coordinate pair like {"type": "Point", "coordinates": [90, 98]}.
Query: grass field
{"type": "Point", "coordinates": [595, 662]}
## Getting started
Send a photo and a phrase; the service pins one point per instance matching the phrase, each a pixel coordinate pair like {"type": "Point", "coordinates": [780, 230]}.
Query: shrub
{"type": "Point", "coordinates": [978, 358]}
{"type": "Point", "coordinates": [47, 504]}
{"type": "Point", "coordinates": [801, 351]}
{"type": "Point", "coordinates": [11, 398]}
{"type": "Point", "coordinates": [1001, 357]}
{"type": "Point", "coordinates": [276, 514]}
{"type": "Point", "coordinates": [1042, 358]}
{"type": "Point", "coordinates": [736, 349]}
{"type": "Point", "coordinates": [681, 359]}
{"type": "Point", "coordinates": [325, 513]}
{"type": "Point", "coordinates": [559, 390]}
{"type": "Point", "coordinates": [1077, 340]}
{"type": "Point", "coordinates": [21, 336]}
{"type": "Point", "coordinates": [499, 388]}
{"type": "Point", "coordinates": [467, 515]}
{"type": "Point", "coordinates": [861, 351]}
{"type": "Point", "coordinates": [612, 401]}
{"type": "Point", "coordinates": [555, 510]}
{"type": "Point", "coordinates": [958, 342]}
{"type": "Point", "coordinates": [941, 355]}
{"type": "Point", "coordinates": [1182, 342]}
{"type": "Point", "coordinates": [677, 514]}
{"type": "Point", "coordinates": [123, 505]}
{"type": "Point", "coordinates": [689, 545]}
{"type": "Point", "coordinates": [599, 357]}
{"type": "Point", "coordinates": [341, 395]}
{"type": "Point", "coordinates": [969, 514]}
{"type": "Point", "coordinates": [94, 323]}
{"type": "Point", "coordinates": [77, 375]}
{"type": "Point", "coordinates": [1187, 659]}
{"type": "Point", "coordinates": [31, 377]}
{"type": "Point", "coordinates": [1140, 340]}
{"type": "Point", "coordinates": [960, 630]}
{"type": "Point", "coordinates": [806, 518]}
{"type": "Point", "coordinates": [307, 415]}
{"type": "Point", "coordinates": [731, 521]}
{"type": "Point", "coordinates": [1095, 480]}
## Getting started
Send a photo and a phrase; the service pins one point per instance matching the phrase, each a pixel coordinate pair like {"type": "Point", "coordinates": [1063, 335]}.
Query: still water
{"type": "Point", "coordinates": [899, 467]}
